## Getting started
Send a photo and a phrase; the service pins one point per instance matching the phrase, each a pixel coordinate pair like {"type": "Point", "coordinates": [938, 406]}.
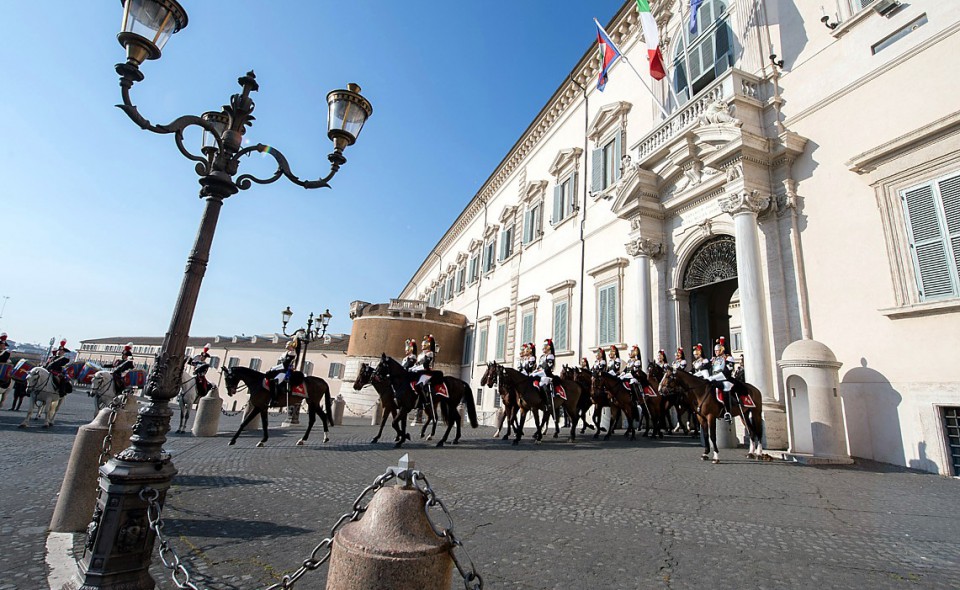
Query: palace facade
{"type": "Point", "coordinates": [817, 198]}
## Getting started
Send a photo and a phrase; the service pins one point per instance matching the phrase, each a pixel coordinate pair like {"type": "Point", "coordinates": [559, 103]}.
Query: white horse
{"type": "Point", "coordinates": [187, 397]}
{"type": "Point", "coordinates": [102, 390]}
{"type": "Point", "coordinates": [41, 388]}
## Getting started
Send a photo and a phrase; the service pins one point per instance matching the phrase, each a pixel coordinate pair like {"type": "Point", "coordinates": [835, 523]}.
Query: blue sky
{"type": "Point", "coordinates": [99, 216]}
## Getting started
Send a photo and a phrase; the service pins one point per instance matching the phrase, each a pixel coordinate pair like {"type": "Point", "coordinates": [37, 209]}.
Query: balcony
{"type": "Point", "coordinates": [412, 307]}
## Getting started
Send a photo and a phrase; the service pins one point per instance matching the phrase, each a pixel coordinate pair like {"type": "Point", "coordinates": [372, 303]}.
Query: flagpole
{"type": "Point", "coordinates": [645, 85]}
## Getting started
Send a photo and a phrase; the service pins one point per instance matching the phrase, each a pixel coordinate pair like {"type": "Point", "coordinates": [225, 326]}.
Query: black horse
{"type": "Point", "coordinates": [318, 392]}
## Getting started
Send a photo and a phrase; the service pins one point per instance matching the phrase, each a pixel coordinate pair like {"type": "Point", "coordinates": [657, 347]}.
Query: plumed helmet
{"type": "Point", "coordinates": [600, 352]}
{"type": "Point", "coordinates": [3, 335]}
{"type": "Point", "coordinates": [614, 352]}
{"type": "Point", "coordinates": [63, 343]}
{"type": "Point", "coordinates": [548, 342]}
{"type": "Point", "coordinates": [533, 348]}
{"type": "Point", "coordinates": [429, 343]}
{"type": "Point", "coordinates": [206, 346]}
{"type": "Point", "coordinates": [128, 345]}
{"type": "Point", "coordinates": [291, 345]}
{"type": "Point", "coordinates": [662, 353]}
{"type": "Point", "coordinates": [719, 347]}
{"type": "Point", "coordinates": [680, 352]}
{"type": "Point", "coordinates": [634, 351]}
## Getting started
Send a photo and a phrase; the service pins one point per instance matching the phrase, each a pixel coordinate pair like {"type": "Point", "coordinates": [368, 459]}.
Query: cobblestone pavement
{"type": "Point", "coordinates": [617, 514]}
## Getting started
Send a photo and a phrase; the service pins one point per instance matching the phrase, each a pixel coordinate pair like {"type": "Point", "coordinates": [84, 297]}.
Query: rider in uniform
{"type": "Point", "coordinates": [633, 372]}
{"type": "Point", "coordinates": [409, 361]}
{"type": "Point", "coordinates": [545, 368]}
{"type": "Point", "coordinates": [614, 364]}
{"type": "Point", "coordinates": [701, 366]}
{"type": "Point", "coordinates": [528, 359]}
{"type": "Point", "coordinates": [599, 362]}
{"type": "Point", "coordinates": [722, 372]}
{"type": "Point", "coordinates": [200, 363]}
{"type": "Point", "coordinates": [424, 367]}
{"type": "Point", "coordinates": [56, 363]}
{"type": "Point", "coordinates": [123, 364]}
{"type": "Point", "coordinates": [279, 375]}
{"type": "Point", "coordinates": [680, 360]}
{"type": "Point", "coordinates": [662, 360]}
{"type": "Point", "coordinates": [4, 348]}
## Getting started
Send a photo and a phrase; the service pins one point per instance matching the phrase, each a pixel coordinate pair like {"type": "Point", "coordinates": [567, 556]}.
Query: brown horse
{"type": "Point", "coordinates": [620, 400]}
{"type": "Point", "coordinates": [388, 402]}
{"type": "Point", "coordinates": [674, 400]}
{"type": "Point", "coordinates": [531, 398]}
{"type": "Point", "coordinates": [584, 380]}
{"type": "Point", "coordinates": [317, 392]}
{"type": "Point", "coordinates": [701, 394]}
{"type": "Point", "coordinates": [508, 401]}
{"type": "Point", "coordinates": [652, 405]}
{"type": "Point", "coordinates": [401, 382]}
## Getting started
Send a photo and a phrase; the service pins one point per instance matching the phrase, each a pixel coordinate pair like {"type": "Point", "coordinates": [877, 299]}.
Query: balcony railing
{"type": "Point", "coordinates": [733, 83]}
{"type": "Point", "coordinates": [412, 306]}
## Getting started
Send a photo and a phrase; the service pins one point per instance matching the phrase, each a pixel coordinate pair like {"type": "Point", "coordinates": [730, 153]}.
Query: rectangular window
{"type": "Point", "coordinates": [501, 341]}
{"type": "Point", "coordinates": [461, 279]}
{"type": "Point", "coordinates": [474, 269]}
{"type": "Point", "coordinates": [951, 431]}
{"type": "Point", "coordinates": [932, 211]}
{"type": "Point", "coordinates": [526, 327]}
{"type": "Point", "coordinates": [214, 362]}
{"type": "Point", "coordinates": [736, 341]}
{"type": "Point", "coordinates": [564, 199]}
{"type": "Point", "coordinates": [606, 163]}
{"type": "Point", "coordinates": [233, 362]}
{"type": "Point", "coordinates": [255, 364]}
{"type": "Point", "coordinates": [335, 371]}
{"type": "Point", "coordinates": [450, 284]}
{"type": "Point", "coordinates": [560, 325]}
{"type": "Point", "coordinates": [506, 242]}
{"type": "Point", "coordinates": [607, 315]}
{"type": "Point", "coordinates": [467, 347]}
{"type": "Point", "coordinates": [308, 368]}
{"type": "Point", "coordinates": [488, 255]}
{"type": "Point", "coordinates": [482, 346]}
{"type": "Point", "coordinates": [532, 220]}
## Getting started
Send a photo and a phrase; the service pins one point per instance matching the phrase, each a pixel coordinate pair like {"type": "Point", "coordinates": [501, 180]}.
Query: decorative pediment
{"type": "Point", "coordinates": [490, 230]}
{"type": "Point", "coordinates": [461, 257]}
{"type": "Point", "coordinates": [565, 159]}
{"type": "Point", "coordinates": [451, 268]}
{"type": "Point", "coordinates": [474, 245]}
{"type": "Point", "coordinates": [636, 194]}
{"type": "Point", "coordinates": [607, 118]}
{"type": "Point", "coordinates": [507, 213]}
{"type": "Point", "coordinates": [533, 190]}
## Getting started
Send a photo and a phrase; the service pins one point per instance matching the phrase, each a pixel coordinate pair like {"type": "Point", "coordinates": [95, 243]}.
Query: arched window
{"type": "Point", "coordinates": [700, 59]}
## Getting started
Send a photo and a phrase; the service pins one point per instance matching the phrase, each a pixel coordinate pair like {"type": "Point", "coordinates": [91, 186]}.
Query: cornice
{"type": "Point", "coordinates": [568, 284]}
{"type": "Point", "coordinates": [564, 159]}
{"type": "Point", "coordinates": [744, 202]}
{"type": "Point", "coordinates": [618, 262]}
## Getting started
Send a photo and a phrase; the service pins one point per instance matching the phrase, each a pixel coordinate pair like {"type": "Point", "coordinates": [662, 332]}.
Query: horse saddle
{"type": "Point", "coordinates": [745, 400]}
{"type": "Point", "coordinates": [649, 392]}
{"type": "Point", "coordinates": [557, 388]}
{"type": "Point", "coordinates": [438, 389]}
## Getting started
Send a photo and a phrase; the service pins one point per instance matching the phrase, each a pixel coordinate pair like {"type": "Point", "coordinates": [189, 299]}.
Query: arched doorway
{"type": "Point", "coordinates": [711, 280]}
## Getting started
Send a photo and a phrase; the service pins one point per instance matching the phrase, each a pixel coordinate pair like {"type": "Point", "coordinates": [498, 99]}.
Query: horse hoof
{"type": "Point", "coordinates": [430, 437]}
{"type": "Point", "coordinates": [22, 426]}
{"type": "Point", "coordinates": [326, 438]}
{"type": "Point", "coordinates": [300, 443]}
{"type": "Point", "coordinates": [260, 445]}
{"type": "Point", "coordinates": [374, 441]}
{"type": "Point", "coordinates": [505, 437]}
{"type": "Point", "coordinates": [716, 461]}
{"type": "Point", "coordinates": [516, 442]}
{"type": "Point", "coordinates": [440, 444]}
{"type": "Point", "coordinates": [456, 442]}
{"type": "Point", "coordinates": [704, 457]}
{"type": "Point", "coordinates": [749, 455]}
{"type": "Point", "coordinates": [556, 435]}
{"type": "Point", "coordinates": [538, 442]}
{"type": "Point", "coordinates": [406, 437]}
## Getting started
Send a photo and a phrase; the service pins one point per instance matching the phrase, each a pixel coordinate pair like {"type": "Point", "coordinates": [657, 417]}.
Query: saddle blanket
{"type": "Point", "coordinates": [72, 370]}
{"type": "Point", "coordinates": [745, 400]}
{"type": "Point", "coordinates": [87, 372]}
{"type": "Point", "coordinates": [21, 369]}
{"type": "Point", "coordinates": [438, 389]}
{"type": "Point", "coordinates": [647, 391]}
{"type": "Point", "coordinates": [556, 387]}
{"type": "Point", "coordinates": [6, 371]}
{"type": "Point", "coordinates": [135, 378]}
{"type": "Point", "coordinates": [296, 390]}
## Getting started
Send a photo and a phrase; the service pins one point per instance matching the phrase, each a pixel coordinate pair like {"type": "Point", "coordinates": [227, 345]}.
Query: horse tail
{"type": "Point", "coordinates": [471, 407]}
{"type": "Point", "coordinates": [327, 403]}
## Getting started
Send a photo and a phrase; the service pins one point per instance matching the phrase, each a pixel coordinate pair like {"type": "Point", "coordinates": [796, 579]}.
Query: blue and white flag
{"type": "Point", "coordinates": [694, 7]}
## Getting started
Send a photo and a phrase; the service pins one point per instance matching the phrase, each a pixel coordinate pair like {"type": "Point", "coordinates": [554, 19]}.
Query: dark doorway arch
{"type": "Point", "coordinates": [711, 279]}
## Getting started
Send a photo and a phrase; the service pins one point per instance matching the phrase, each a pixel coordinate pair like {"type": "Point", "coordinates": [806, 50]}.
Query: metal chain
{"type": "Point", "coordinates": [360, 414]}
{"type": "Point", "coordinates": [471, 579]}
{"type": "Point", "coordinates": [168, 555]}
{"type": "Point", "coordinates": [115, 405]}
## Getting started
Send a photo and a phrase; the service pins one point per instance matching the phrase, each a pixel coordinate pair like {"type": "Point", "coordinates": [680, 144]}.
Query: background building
{"type": "Point", "coordinates": [325, 357]}
{"type": "Point", "coordinates": [824, 191]}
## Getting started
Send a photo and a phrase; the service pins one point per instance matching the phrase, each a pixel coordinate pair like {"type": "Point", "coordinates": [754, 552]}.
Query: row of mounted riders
{"type": "Point", "coordinates": [710, 393]}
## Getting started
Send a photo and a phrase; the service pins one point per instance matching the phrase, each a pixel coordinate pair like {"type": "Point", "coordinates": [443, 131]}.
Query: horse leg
{"type": "Point", "coordinates": [713, 440]}
{"type": "Point", "coordinates": [614, 416]}
{"type": "Point", "coordinates": [538, 437]}
{"type": "Point", "coordinates": [312, 417]}
{"type": "Point", "coordinates": [597, 411]}
{"type": "Point", "coordinates": [518, 427]}
{"type": "Point", "coordinates": [30, 405]}
{"type": "Point", "coordinates": [451, 420]}
{"type": "Point", "coordinates": [383, 422]}
{"type": "Point", "coordinates": [253, 414]}
{"type": "Point", "coordinates": [263, 424]}
{"type": "Point", "coordinates": [459, 422]}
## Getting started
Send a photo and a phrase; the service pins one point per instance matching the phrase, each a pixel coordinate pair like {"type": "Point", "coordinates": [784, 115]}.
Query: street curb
{"type": "Point", "coordinates": [61, 562]}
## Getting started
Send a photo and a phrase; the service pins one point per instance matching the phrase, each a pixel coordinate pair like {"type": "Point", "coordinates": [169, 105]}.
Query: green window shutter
{"type": "Point", "coordinates": [617, 155]}
{"type": "Point", "coordinates": [614, 315]}
{"type": "Point", "coordinates": [603, 336]}
{"type": "Point", "coordinates": [560, 325]}
{"type": "Point", "coordinates": [467, 347]}
{"type": "Point", "coordinates": [596, 170]}
{"type": "Point", "coordinates": [927, 243]}
{"type": "Point", "coordinates": [557, 204]}
{"type": "Point", "coordinates": [572, 194]}
{"type": "Point", "coordinates": [501, 341]}
{"type": "Point", "coordinates": [527, 226]}
{"type": "Point", "coordinates": [482, 346]}
{"type": "Point", "coordinates": [607, 316]}
{"type": "Point", "coordinates": [950, 198]}
{"type": "Point", "coordinates": [527, 328]}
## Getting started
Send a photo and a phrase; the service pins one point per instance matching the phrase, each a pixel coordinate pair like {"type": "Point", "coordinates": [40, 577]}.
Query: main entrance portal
{"type": "Point", "coordinates": [711, 280]}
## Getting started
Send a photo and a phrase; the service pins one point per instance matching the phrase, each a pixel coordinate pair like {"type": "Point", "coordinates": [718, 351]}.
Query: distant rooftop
{"type": "Point", "coordinates": [337, 342]}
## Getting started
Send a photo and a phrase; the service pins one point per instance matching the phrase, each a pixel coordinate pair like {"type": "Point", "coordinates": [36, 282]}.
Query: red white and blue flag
{"type": "Point", "coordinates": [609, 54]}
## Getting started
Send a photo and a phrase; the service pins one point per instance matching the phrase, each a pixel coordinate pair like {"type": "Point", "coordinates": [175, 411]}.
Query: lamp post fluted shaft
{"type": "Point", "coordinates": [120, 541]}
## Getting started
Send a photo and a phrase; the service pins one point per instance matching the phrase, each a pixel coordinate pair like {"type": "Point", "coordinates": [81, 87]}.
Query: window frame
{"type": "Point", "coordinates": [682, 56]}
{"type": "Point", "coordinates": [483, 341]}
{"type": "Point", "coordinates": [945, 238]}
{"type": "Point", "coordinates": [500, 348]}
{"type": "Point", "coordinates": [612, 286]}
{"type": "Point", "coordinates": [255, 363]}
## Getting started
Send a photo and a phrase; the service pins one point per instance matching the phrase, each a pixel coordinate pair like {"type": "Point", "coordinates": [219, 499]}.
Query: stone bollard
{"type": "Point", "coordinates": [377, 414]}
{"type": "Point", "coordinates": [339, 405]}
{"type": "Point", "coordinates": [78, 492]}
{"type": "Point", "coordinates": [208, 415]}
{"type": "Point", "coordinates": [727, 434]}
{"type": "Point", "coordinates": [393, 547]}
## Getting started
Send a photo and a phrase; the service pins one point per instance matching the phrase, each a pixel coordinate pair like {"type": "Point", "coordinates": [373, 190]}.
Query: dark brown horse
{"type": "Point", "coordinates": [620, 401]}
{"type": "Point", "coordinates": [584, 380]}
{"type": "Point", "coordinates": [674, 400]}
{"type": "Point", "coordinates": [365, 376]}
{"type": "Point", "coordinates": [702, 395]}
{"type": "Point", "coordinates": [508, 401]}
{"type": "Point", "coordinates": [402, 381]}
{"type": "Point", "coordinates": [531, 398]}
{"type": "Point", "coordinates": [318, 400]}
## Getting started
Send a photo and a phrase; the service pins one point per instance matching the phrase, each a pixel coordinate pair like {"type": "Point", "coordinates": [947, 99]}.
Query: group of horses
{"type": "Point", "coordinates": [577, 390]}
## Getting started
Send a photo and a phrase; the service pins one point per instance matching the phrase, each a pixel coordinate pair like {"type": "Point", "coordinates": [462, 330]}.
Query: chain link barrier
{"type": "Point", "coordinates": [320, 555]}
{"type": "Point", "coordinates": [363, 413]}
{"type": "Point", "coordinates": [116, 405]}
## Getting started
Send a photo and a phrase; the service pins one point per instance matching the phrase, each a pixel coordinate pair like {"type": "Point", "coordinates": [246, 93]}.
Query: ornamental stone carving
{"type": "Point", "coordinates": [719, 113]}
{"type": "Point", "coordinates": [744, 202]}
{"type": "Point", "coordinates": [644, 247]}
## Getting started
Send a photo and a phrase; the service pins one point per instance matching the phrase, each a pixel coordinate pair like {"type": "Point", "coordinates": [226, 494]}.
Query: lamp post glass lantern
{"type": "Point", "coordinates": [119, 542]}
{"type": "Point", "coordinates": [305, 336]}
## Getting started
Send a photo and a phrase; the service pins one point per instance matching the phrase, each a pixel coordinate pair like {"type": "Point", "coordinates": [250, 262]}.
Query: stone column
{"type": "Point", "coordinates": [744, 206]}
{"type": "Point", "coordinates": [643, 249]}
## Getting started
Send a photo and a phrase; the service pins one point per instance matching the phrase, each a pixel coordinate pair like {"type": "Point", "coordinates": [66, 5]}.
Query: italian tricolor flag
{"type": "Point", "coordinates": [652, 36]}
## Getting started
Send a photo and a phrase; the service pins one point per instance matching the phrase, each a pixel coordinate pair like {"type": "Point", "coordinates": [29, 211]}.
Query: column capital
{"type": "Point", "coordinates": [644, 247]}
{"type": "Point", "coordinates": [745, 201]}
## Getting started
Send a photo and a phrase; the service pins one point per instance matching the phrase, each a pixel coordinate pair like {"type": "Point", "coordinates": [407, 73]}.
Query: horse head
{"type": "Point", "coordinates": [364, 376]}
{"type": "Point", "coordinates": [489, 378]}
{"type": "Point", "coordinates": [230, 380]}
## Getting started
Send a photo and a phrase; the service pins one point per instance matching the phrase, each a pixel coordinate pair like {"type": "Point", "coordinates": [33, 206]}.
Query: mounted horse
{"type": "Point", "coordinates": [102, 390]}
{"type": "Point", "coordinates": [702, 396]}
{"type": "Point", "coordinates": [6, 382]}
{"type": "Point", "coordinates": [447, 398]}
{"type": "Point", "coordinates": [188, 396]}
{"type": "Point", "coordinates": [365, 376]}
{"type": "Point", "coordinates": [583, 378]}
{"type": "Point", "coordinates": [674, 400]}
{"type": "Point", "coordinates": [508, 401]}
{"type": "Point", "coordinates": [531, 398]}
{"type": "Point", "coordinates": [315, 390]}
{"type": "Point", "coordinates": [652, 402]}
{"type": "Point", "coordinates": [620, 399]}
{"type": "Point", "coordinates": [41, 388]}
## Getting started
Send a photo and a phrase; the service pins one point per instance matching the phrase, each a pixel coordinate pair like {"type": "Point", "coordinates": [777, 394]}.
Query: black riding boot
{"type": "Point", "coordinates": [727, 416]}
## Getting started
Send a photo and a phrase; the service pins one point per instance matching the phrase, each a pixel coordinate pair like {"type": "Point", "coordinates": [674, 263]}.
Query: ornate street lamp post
{"type": "Point", "coordinates": [120, 543]}
{"type": "Point", "coordinates": [306, 336]}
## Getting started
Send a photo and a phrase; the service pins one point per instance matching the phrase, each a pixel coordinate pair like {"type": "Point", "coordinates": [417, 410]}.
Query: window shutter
{"type": "Point", "coordinates": [617, 155]}
{"type": "Point", "coordinates": [613, 316]}
{"type": "Point", "coordinates": [597, 170]}
{"type": "Point", "coordinates": [527, 329]}
{"type": "Point", "coordinates": [927, 243]}
{"type": "Point", "coordinates": [557, 204]}
{"type": "Point", "coordinates": [501, 341]}
{"type": "Point", "coordinates": [560, 326]}
{"type": "Point", "coordinates": [572, 202]}
{"type": "Point", "coordinates": [482, 346]}
{"type": "Point", "coordinates": [950, 197]}
{"type": "Point", "coordinates": [602, 317]}
{"type": "Point", "coordinates": [527, 226]}
{"type": "Point", "coordinates": [467, 347]}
